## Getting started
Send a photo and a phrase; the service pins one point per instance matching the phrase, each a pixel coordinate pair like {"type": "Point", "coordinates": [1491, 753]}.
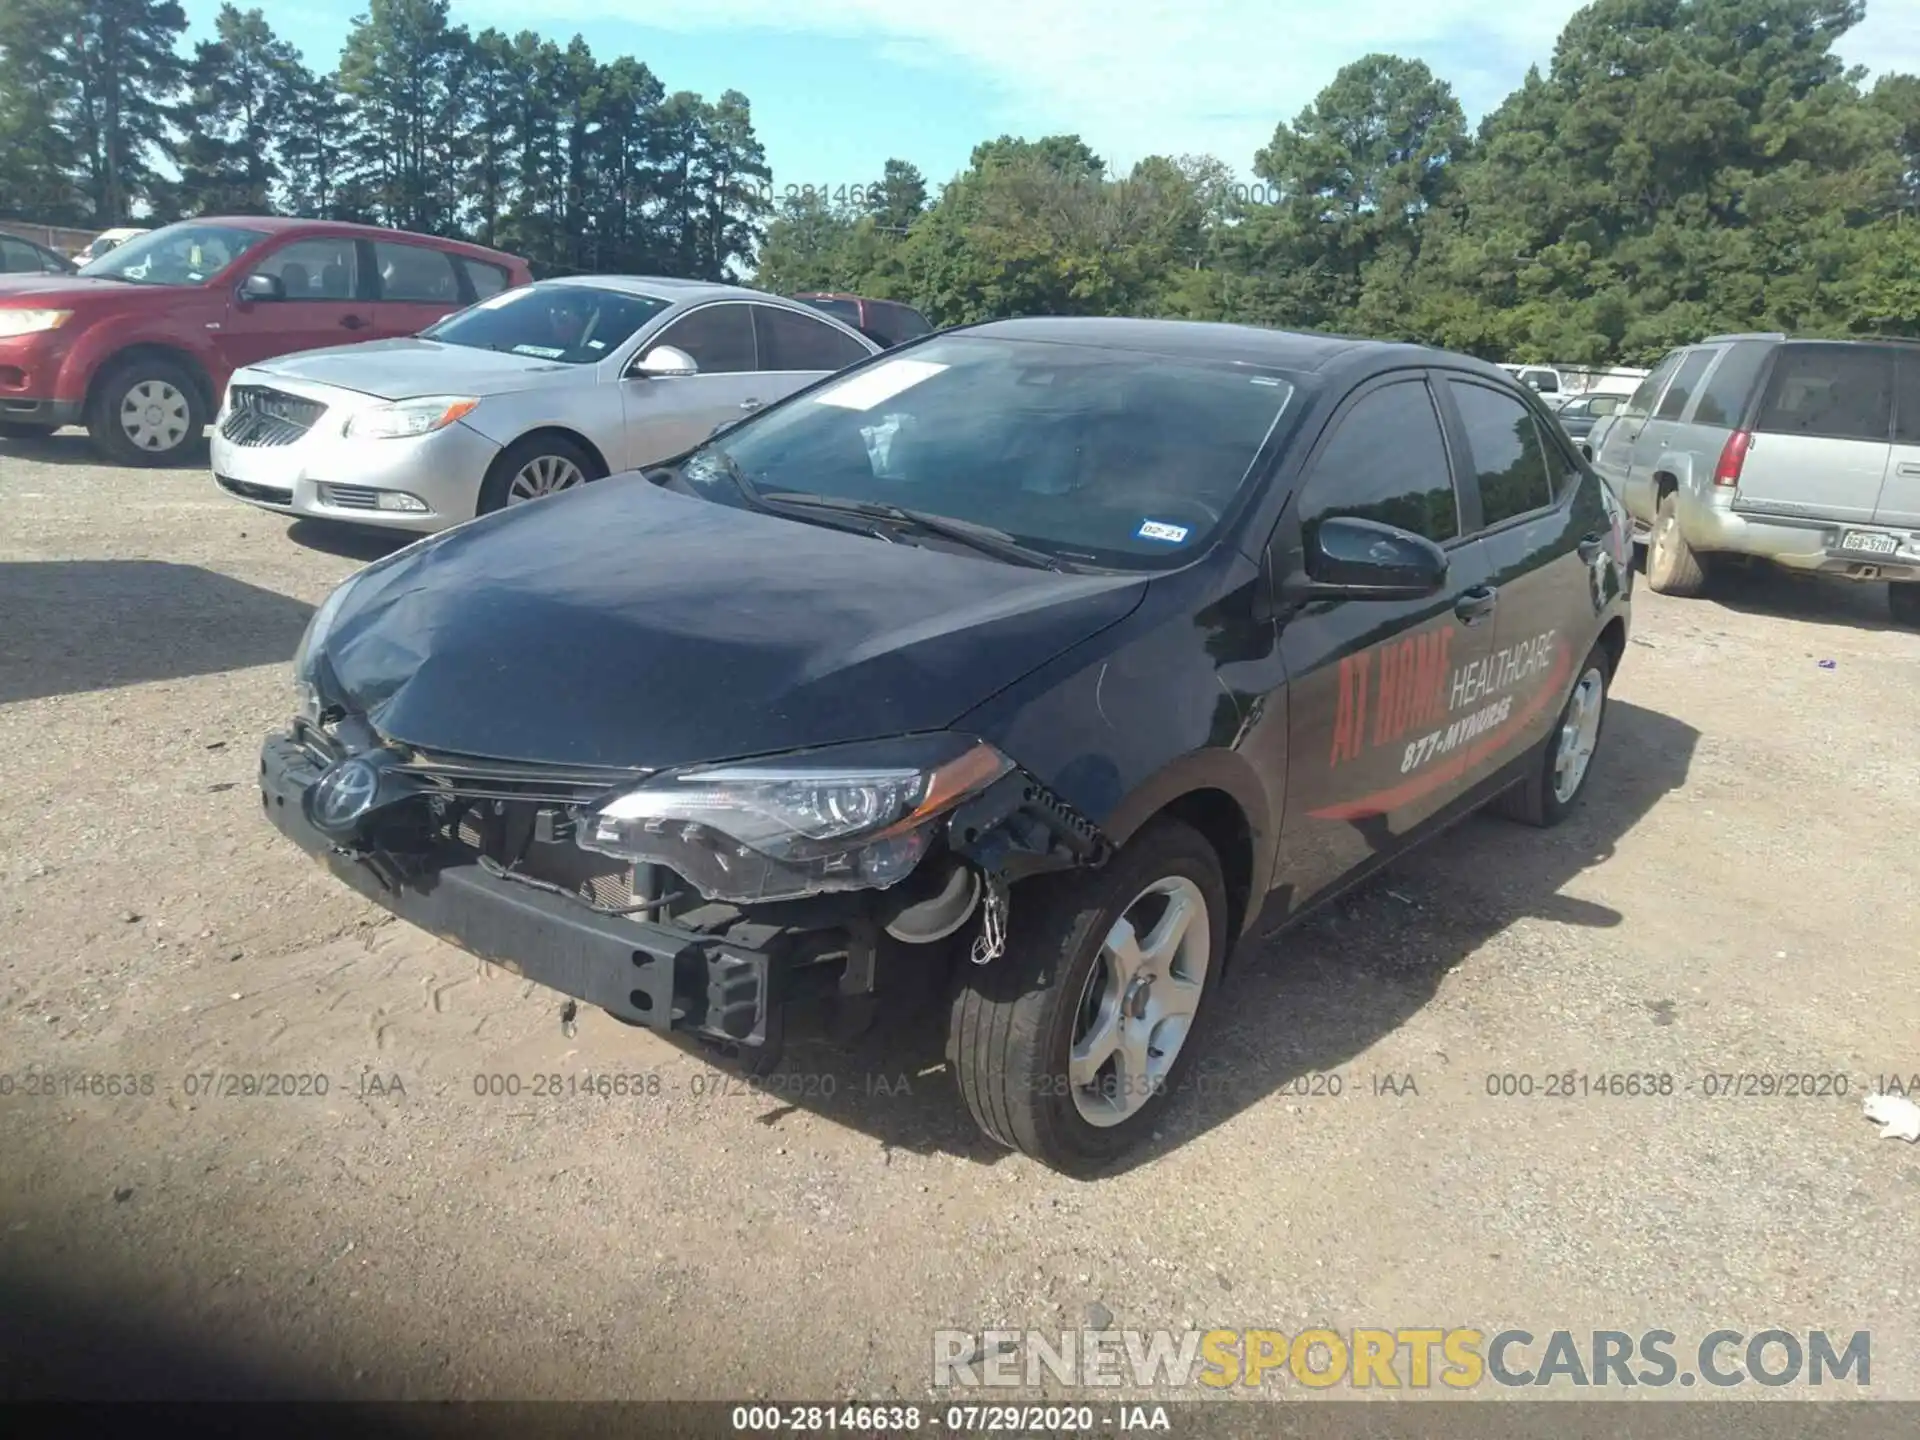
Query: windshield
{"type": "Point", "coordinates": [574, 324]}
{"type": "Point", "coordinates": [184, 254]}
{"type": "Point", "coordinates": [1110, 457]}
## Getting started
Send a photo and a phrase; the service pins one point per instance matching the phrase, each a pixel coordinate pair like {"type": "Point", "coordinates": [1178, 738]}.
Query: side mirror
{"type": "Point", "coordinates": [1354, 559]}
{"type": "Point", "coordinates": [664, 361]}
{"type": "Point", "coordinates": [258, 286]}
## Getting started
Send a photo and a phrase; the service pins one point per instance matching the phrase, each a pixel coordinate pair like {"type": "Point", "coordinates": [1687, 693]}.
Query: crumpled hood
{"type": "Point", "coordinates": [403, 368]}
{"type": "Point", "coordinates": [628, 625]}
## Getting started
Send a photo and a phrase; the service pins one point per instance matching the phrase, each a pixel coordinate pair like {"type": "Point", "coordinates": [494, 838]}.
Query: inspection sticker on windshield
{"type": "Point", "coordinates": [1160, 530]}
{"type": "Point", "coordinates": [883, 382]}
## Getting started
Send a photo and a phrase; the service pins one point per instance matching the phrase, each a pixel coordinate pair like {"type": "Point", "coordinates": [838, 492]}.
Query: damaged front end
{"type": "Point", "coordinates": [724, 901]}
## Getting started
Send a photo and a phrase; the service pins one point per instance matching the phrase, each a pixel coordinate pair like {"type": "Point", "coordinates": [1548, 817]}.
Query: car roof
{"type": "Point", "coordinates": [279, 224]}
{"type": "Point", "coordinates": [1303, 352]}
{"type": "Point", "coordinates": [677, 291]}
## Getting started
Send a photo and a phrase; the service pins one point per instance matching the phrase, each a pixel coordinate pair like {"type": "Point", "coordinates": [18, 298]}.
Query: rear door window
{"type": "Point", "coordinates": [1506, 452]}
{"type": "Point", "coordinates": [1640, 404]}
{"type": "Point", "coordinates": [413, 273]}
{"type": "Point", "coordinates": [790, 341]}
{"type": "Point", "coordinates": [1835, 392]}
{"type": "Point", "coordinates": [1686, 379]}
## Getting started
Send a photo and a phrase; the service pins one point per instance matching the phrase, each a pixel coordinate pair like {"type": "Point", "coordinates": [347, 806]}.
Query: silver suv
{"type": "Point", "coordinates": [1805, 453]}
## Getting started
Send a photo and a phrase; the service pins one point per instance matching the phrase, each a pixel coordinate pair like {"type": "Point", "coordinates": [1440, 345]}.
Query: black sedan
{"type": "Point", "coordinates": [1031, 666]}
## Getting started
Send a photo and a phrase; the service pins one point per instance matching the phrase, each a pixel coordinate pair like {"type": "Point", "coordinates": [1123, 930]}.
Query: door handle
{"type": "Point", "coordinates": [751, 404]}
{"type": "Point", "coordinates": [1907, 467]}
{"type": "Point", "coordinates": [1590, 546]}
{"type": "Point", "coordinates": [1476, 604]}
{"type": "Point", "coordinates": [351, 322]}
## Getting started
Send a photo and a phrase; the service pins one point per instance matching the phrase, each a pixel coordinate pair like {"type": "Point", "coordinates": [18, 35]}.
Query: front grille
{"type": "Point", "coordinates": [258, 415]}
{"type": "Point", "coordinates": [513, 818]}
{"type": "Point", "coordinates": [350, 497]}
{"type": "Point", "coordinates": [247, 490]}
{"type": "Point", "coordinates": [462, 777]}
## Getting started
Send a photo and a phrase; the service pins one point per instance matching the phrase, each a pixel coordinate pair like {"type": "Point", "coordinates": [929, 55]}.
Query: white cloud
{"type": "Point", "coordinates": [1138, 76]}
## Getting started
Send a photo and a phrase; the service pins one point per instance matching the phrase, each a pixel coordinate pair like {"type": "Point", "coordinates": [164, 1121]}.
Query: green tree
{"type": "Point", "coordinates": [240, 89]}
{"type": "Point", "coordinates": [313, 160]}
{"type": "Point", "coordinates": [399, 76]}
{"type": "Point", "coordinates": [39, 159]}
{"type": "Point", "coordinates": [87, 88]}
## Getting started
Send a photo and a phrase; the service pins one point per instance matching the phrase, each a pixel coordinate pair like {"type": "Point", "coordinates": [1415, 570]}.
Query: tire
{"type": "Point", "coordinates": [21, 430]}
{"type": "Point", "coordinates": [1540, 800]}
{"type": "Point", "coordinates": [1903, 603]}
{"type": "Point", "coordinates": [1672, 567]}
{"type": "Point", "coordinates": [147, 412]}
{"type": "Point", "coordinates": [1015, 1020]}
{"type": "Point", "coordinates": [514, 472]}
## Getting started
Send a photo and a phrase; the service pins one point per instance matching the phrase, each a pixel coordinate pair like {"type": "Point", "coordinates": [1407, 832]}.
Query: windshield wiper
{"type": "Point", "coordinates": [981, 538]}
{"type": "Point", "coordinates": [730, 467]}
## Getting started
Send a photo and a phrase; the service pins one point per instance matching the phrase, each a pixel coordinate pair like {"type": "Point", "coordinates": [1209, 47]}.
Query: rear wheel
{"type": "Point", "coordinates": [21, 430]}
{"type": "Point", "coordinates": [1672, 567]}
{"type": "Point", "coordinates": [1546, 796]}
{"type": "Point", "coordinates": [1068, 1046]}
{"type": "Point", "coordinates": [1903, 601]}
{"type": "Point", "coordinates": [146, 412]}
{"type": "Point", "coordinates": [534, 468]}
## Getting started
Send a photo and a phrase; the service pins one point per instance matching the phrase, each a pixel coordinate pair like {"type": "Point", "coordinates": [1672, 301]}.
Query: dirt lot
{"type": "Point", "coordinates": [1736, 895]}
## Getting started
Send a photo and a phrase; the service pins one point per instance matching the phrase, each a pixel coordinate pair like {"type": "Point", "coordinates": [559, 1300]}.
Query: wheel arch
{"type": "Point", "coordinates": [158, 350]}
{"type": "Point", "coordinates": [1613, 639]}
{"type": "Point", "coordinates": [560, 432]}
{"type": "Point", "coordinates": [1217, 793]}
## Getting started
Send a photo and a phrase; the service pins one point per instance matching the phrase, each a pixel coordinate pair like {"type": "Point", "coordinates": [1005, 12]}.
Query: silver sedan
{"type": "Point", "coordinates": [535, 390]}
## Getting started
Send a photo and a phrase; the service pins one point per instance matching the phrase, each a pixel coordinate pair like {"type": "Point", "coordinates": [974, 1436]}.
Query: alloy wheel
{"type": "Point", "coordinates": [1579, 735]}
{"type": "Point", "coordinates": [1138, 1005]}
{"type": "Point", "coordinates": [544, 475]}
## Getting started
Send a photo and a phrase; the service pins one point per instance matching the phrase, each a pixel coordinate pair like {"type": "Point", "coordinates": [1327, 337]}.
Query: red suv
{"type": "Point", "coordinates": [138, 346]}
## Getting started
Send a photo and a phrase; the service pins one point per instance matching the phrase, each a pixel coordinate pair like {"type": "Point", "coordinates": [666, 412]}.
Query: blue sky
{"type": "Point", "coordinates": [838, 86]}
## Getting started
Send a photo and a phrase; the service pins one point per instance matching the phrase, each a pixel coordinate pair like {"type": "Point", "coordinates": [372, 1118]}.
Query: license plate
{"type": "Point", "coordinates": [1867, 542]}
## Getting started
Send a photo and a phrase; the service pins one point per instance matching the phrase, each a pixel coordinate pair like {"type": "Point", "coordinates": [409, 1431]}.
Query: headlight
{"type": "Point", "coordinates": [776, 830]}
{"type": "Point", "coordinates": [408, 417]}
{"type": "Point", "coordinates": [32, 322]}
{"type": "Point", "coordinates": [316, 633]}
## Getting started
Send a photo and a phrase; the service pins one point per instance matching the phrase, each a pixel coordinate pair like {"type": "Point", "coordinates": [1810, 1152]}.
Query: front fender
{"type": "Point", "coordinates": [102, 342]}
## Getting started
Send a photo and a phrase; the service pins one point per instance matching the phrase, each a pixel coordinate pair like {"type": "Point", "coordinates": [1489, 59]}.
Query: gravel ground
{"type": "Point", "coordinates": [1736, 894]}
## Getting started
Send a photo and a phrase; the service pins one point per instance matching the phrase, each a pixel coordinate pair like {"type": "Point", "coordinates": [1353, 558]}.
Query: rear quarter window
{"type": "Point", "coordinates": [1730, 384]}
{"type": "Point", "coordinates": [486, 279]}
{"type": "Point", "coordinates": [1834, 392]}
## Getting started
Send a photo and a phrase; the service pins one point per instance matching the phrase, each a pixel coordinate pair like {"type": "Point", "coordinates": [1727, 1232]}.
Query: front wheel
{"type": "Point", "coordinates": [534, 468]}
{"type": "Point", "coordinates": [146, 412]}
{"type": "Point", "coordinates": [1546, 796]}
{"type": "Point", "coordinates": [1068, 1046]}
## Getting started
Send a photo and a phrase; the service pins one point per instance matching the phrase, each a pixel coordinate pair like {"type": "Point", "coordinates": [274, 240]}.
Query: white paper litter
{"type": "Point", "coordinates": [1897, 1116]}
